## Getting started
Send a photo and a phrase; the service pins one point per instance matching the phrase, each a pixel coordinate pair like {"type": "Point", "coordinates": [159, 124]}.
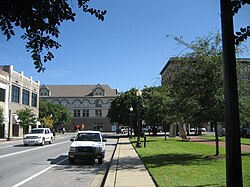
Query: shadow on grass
{"type": "Point", "coordinates": [142, 140]}
{"type": "Point", "coordinates": [174, 159]}
{"type": "Point", "coordinates": [205, 185]}
{"type": "Point", "coordinates": [245, 154]}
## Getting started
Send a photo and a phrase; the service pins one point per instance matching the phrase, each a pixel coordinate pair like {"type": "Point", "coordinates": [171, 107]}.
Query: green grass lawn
{"type": "Point", "coordinates": [176, 163]}
{"type": "Point", "coordinates": [245, 141]}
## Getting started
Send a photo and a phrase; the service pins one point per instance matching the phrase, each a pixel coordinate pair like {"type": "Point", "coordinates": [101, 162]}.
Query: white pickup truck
{"type": "Point", "coordinates": [38, 136]}
{"type": "Point", "coordinates": [87, 145]}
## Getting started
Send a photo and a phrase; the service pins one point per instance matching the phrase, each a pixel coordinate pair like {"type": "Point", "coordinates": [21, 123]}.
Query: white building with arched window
{"type": "Point", "coordinates": [87, 104]}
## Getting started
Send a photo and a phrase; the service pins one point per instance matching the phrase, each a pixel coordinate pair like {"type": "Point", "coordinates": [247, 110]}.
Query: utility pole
{"type": "Point", "coordinates": [233, 147]}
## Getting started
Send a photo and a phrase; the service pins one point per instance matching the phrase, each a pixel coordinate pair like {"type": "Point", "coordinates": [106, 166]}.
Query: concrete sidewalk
{"type": "Point", "coordinates": [126, 168]}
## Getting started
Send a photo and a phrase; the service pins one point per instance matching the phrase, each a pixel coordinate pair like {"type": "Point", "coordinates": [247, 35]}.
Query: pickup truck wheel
{"type": "Point", "coordinates": [100, 160]}
{"type": "Point", "coordinates": [51, 140]}
{"type": "Point", "coordinates": [71, 160]}
{"type": "Point", "coordinates": [25, 144]}
{"type": "Point", "coordinates": [43, 142]}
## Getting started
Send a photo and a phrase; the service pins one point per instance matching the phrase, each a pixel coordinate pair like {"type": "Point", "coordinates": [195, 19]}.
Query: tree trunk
{"type": "Point", "coordinates": [165, 132]}
{"type": "Point", "coordinates": [172, 130]}
{"type": "Point", "coordinates": [216, 139]}
{"type": "Point", "coordinates": [182, 131]}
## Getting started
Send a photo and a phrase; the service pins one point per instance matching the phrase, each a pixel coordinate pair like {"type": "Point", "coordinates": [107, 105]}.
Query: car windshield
{"type": "Point", "coordinates": [88, 137]}
{"type": "Point", "coordinates": [36, 131]}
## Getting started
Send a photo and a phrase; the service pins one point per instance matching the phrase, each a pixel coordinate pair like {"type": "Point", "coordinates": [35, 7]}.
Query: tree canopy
{"type": "Point", "coordinates": [244, 32]}
{"type": "Point", "coordinates": [119, 110]}
{"type": "Point", "coordinates": [26, 117]}
{"type": "Point", "coordinates": [40, 20]}
{"type": "Point", "coordinates": [52, 115]}
{"type": "Point", "coordinates": [197, 88]}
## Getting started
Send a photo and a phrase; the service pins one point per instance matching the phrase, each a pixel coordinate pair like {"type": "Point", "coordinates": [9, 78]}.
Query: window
{"type": "Point", "coordinates": [15, 94]}
{"type": "Point", "coordinates": [34, 100]}
{"type": "Point", "coordinates": [76, 113]}
{"type": "Point", "coordinates": [44, 92]}
{"type": "Point", "coordinates": [85, 103]}
{"type": "Point", "coordinates": [245, 77]}
{"type": "Point", "coordinates": [64, 103]}
{"type": "Point", "coordinates": [99, 92]}
{"type": "Point", "coordinates": [98, 103]}
{"type": "Point", "coordinates": [77, 103]}
{"type": "Point", "coordinates": [177, 68]}
{"type": "Point", "coordinates": [98, 113]}
{"type": "Point", "coordinates": [26, 95]}
{"type": "Point", "coordinates": [2, 94]}
{"type": "Point", "coordinates": [110, 102]}
{"type": "Point", "coordinates": [55, 102]}
{"type": "Point", "coordinates": [85, 113]}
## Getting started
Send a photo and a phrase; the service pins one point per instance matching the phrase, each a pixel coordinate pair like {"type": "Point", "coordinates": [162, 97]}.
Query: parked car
{"type": "Point", "coordinates": [159, 129]}
{"type": "Point", "coordinates": [38, 136]}
{"type": "Point", "coordinates": [87, 145]}
{"type": "Point", "coordinates": [123, 130]}
{"type": "Point", "coordinates": [147, 129]}
{"type": "Point", "coordinates": [245, 132]}
{"type": "Point", "coordinates": [221, 132]}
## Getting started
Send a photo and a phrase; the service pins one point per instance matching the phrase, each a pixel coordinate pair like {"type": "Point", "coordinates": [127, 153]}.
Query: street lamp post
{"type": "Point", "coordinates": [131, 110]}
{"type": "Point", "coordinates": [138, 94]}
{"type": "Point", "coordinates": [233, 144]}
{"type": "Point", "coordinates": [8, 138]}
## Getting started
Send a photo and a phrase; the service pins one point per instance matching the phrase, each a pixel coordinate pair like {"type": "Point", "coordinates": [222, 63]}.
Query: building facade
{"type": "Point", "coordinates": [173, 67]}
{"type": "Point", "coordinates": [16, 92]}
{"type": "Point", "coordinates": [87, 104]}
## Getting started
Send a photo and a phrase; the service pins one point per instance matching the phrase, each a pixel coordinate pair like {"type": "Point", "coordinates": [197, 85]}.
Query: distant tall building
{"type": "Point", "coordinates": [16, 92]}
{"type": "Point", "coordinates": [174, 66]}
{"type": "Point", "coordinates": [87, 104]}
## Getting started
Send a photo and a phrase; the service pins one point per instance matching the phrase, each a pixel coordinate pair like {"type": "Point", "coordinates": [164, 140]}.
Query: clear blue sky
{"type": "Point", "coordinates": [128, 49]}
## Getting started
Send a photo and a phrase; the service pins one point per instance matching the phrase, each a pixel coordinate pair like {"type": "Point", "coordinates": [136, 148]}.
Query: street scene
{"type": "Point", "coordinates": [106, 93]}
{"type": "Point", "coordinates": [48, 165]}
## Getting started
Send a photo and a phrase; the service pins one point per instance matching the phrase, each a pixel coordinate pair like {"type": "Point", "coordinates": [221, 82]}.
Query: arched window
{"type": "Point", "coordinates": [44, 92]}
{"type": "Point", "coordinates": [98, 103]}
{"type": "Point", "coordinates": [77, 103]}
{"type": "Point", "coordinates": [99, 92]}
{"type": "Point", "coordinates": [56, 101]}
{"type": "Point", "coordinates": [64, 102]}
{"type": "Point", "coordinates": [85, 103]}
{"type": "Point", "coordinates": [109, 102]}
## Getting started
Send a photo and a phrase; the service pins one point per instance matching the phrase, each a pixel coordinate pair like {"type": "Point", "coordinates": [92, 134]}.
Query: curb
{"type": "Point", "coordinates": [110, 178]}
{"type": "Point", "coordinates": [100, 179]}
{"type": "Point", "coordinates": [109, 165]}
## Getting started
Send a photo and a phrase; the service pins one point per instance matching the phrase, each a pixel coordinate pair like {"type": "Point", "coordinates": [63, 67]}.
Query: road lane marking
{"type": "Point", "coordinates": [6, 146]}
{"type": "Point", "coordinates": [39, 173]}
{"type": "Point", "coordinates": [24, 151]}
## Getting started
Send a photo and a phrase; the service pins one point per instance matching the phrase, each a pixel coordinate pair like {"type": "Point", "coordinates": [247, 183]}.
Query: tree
{"type": "Point", "coordinates": [156, 107]}
{"type": "Point", "coordinates": [119, 109]}
{"type": "Point", "coordinates": [40, 20]}
{"type": "Point", "coordinates": [47, 121]}
{"type": "Point", "coordinates": [53, 115]}
{"type": "Point", "coordinates": [244, 32]}
{"type": "Point", "coordinates": [198, 87]}
{"type": "Point", "coordinates": [201, 79]}
{"type": "Point", "coordinates": [27, 118]}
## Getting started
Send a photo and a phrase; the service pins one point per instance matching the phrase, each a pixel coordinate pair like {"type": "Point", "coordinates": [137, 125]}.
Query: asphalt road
{"type": "Point", "coordinates": [48, 165]}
